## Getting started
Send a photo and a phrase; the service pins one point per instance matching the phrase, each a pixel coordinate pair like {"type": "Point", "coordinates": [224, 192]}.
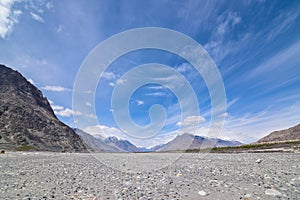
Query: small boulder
{"type": "Point", "coordinates": [202, 193]}
{"type": "Point", "coordinates": [258, 161]}
{"type": "Point", "coordinates": [272, 192]}
{"type": "Point", "coordinates": [2, 151]}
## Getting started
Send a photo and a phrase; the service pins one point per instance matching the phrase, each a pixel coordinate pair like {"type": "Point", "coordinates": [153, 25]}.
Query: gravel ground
{"type": "Point", "coordinates": [149, 176]}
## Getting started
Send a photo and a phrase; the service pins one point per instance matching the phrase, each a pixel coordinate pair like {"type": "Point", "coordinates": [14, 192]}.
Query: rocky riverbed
{"type": "Point", "coordinates": [149, 176]}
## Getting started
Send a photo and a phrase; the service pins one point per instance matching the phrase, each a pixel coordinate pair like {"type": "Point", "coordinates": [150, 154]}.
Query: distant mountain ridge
{"type": "Point", "coordinates": [110, 144]}
{"type": "Point", "coordinates": [94, 144]}
{"type": "Point", "coordinates": [181, 142]}
{"type": "Point", "coordinates": [122, 144]}
{"type": "Point", "coordinates": [188, 141]}
{"type": "Point", "coordinates": [27, 121]}
{"type": "Point", "coordinates": [292, 133]}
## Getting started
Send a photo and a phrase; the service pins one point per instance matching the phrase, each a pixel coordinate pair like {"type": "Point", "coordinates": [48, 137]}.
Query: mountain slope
{"type": "Point", "coordinates": [189, 141]}
{"type": "Point", "coordinates": [292, 133]}
{"type": "Point", "coordinates": [99, 143]}
{"type": "Point", "coordinates": [27, 119]}
{"type": "Point", "coordinates": [96, 144]}
{"type": "Point", "coordinates": [125, 145]}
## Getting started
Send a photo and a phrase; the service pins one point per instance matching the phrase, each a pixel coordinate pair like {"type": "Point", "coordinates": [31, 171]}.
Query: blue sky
{"type": "Point", "coordinates": [255, 45]}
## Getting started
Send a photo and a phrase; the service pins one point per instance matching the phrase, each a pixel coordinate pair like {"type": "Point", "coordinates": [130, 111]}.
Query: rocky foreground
{"type": "Point", "coordinates": [149, 176]}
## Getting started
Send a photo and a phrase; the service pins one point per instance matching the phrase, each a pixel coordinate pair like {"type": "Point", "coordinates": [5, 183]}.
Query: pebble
{"type": "Point", "coordinates": [272, 192]}
{"type": "Point", "coordinates": [258, 161]}
{"type": "Point", "coordinates": [226, 176]}
{"type": "Point", "coordinates": [202, 193]}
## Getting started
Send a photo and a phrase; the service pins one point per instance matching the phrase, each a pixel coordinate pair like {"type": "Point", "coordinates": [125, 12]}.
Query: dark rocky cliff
{"type": "Point", "coordinates": [27, 120]}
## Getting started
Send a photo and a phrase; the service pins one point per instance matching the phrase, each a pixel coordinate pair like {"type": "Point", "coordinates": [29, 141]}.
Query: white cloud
{"type": "Point", "coordinates": [233, 101]}
{"type": "Point", "coordinates": [191, 121]}
{"type": "Point", "coordinates": [64, 112]}
{"type": "Point", "coordinates": [157, 87]}
{"type": "Point", "coordinates": [37, 17]}
{"type": "Point", "coordinates": [8, 17]}
{"type": "Point", "coordinates": [121, 81]}
{"type": "Point", "coordinates": [88, 104]}
{"type": "Point", "coordinates": [226, 23]}
{"type": "Point", "coordinates": [226, 114]}
{"type": "Point", "coordinates": [49, 5]}
{"type": "Point", "coordinates": [156, 94]}
{"type": "Point", "coordinates": [51, 102]}
{"type": "Point", "coordinates": [184, 67]}
{"type": "Point", "coordinates": [31, 81]}
{"type": "Point", "coordinates": [109, 75]}
{"type": "Point", "coordinates": [67, 112]}
{"type": "Point", "coordinates": [111, 84]}
{"type": "Point", "coordinates": [92, 116]}
{"type": "Point", "coordinates": [59, 29]}
{"type": "Point", "coordinates": [55, 88]}
{"type": "Point", "coordinates": [56, 108]}
{"type": "Point", "coordinates": [139, 102]}
{"type": "Point", "coordinates": [105, 131]}
{"type": "Point", "coordinates": [253, 126]}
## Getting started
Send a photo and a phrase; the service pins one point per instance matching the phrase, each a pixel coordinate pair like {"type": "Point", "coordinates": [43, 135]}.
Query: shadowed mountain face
{"type": "Point", "coordinates": [292, 133]}
{"type": "Point", "coordinates": [27, 119]}
{"type": "Point", "coordinates": [189, 141]}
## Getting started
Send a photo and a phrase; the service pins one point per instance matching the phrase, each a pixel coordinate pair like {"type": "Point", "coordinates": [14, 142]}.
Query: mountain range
{"type": "Point", "coordinates": [188, 141]}
{"type": "Point", "coordinates": [181, 142]}
{"type": "Point", "coordinates": [99, 143]}
{"type": "Point", "coordinates": [27, 122]}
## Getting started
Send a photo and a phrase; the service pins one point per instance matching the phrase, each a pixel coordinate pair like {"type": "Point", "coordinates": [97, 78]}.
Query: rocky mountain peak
{"type": "Point", "coordinates": [13, 83]}
{"type": "Point", "coordinates": [27, 120]}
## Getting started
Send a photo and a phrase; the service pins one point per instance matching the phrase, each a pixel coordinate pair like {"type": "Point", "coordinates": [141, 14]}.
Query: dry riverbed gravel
{"type": "Point", "coordinates": [149, 176]}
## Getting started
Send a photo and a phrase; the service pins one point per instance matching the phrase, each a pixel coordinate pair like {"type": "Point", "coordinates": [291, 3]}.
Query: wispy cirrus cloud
{"type": "Point", "coordinates": [37, 17]}
{"type": "Point", "coordinates": [156, 87]}
{"type": "Point", "coordinates": [252, 126]}
{"type": "Point", "coordinates": [217, 45]}
{"type": "Point", "coordinates": [283, 22]}
{"type": "Point", "coordinates": [290, 54]}
{"type": "Point", "coordinates": [156, 94]}
{"type": "Point", "coordinates": [56, 88]}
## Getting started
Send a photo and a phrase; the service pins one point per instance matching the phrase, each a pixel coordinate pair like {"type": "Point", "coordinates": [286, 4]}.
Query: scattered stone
{"type": "Point", "coordinates": [202, 193]}
{"type": "Point", "coordinates": [258, 161]}
{"type": "Point", "coordinates": [89, 178]}
{"type": "Point", "coordinates": [272, 192]}
{"type": "Point", "coordinates": [247, 196]}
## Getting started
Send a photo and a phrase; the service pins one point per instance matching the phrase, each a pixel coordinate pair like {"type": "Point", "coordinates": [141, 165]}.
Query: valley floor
{"type": "Point", "coordinates": [44, 175]}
